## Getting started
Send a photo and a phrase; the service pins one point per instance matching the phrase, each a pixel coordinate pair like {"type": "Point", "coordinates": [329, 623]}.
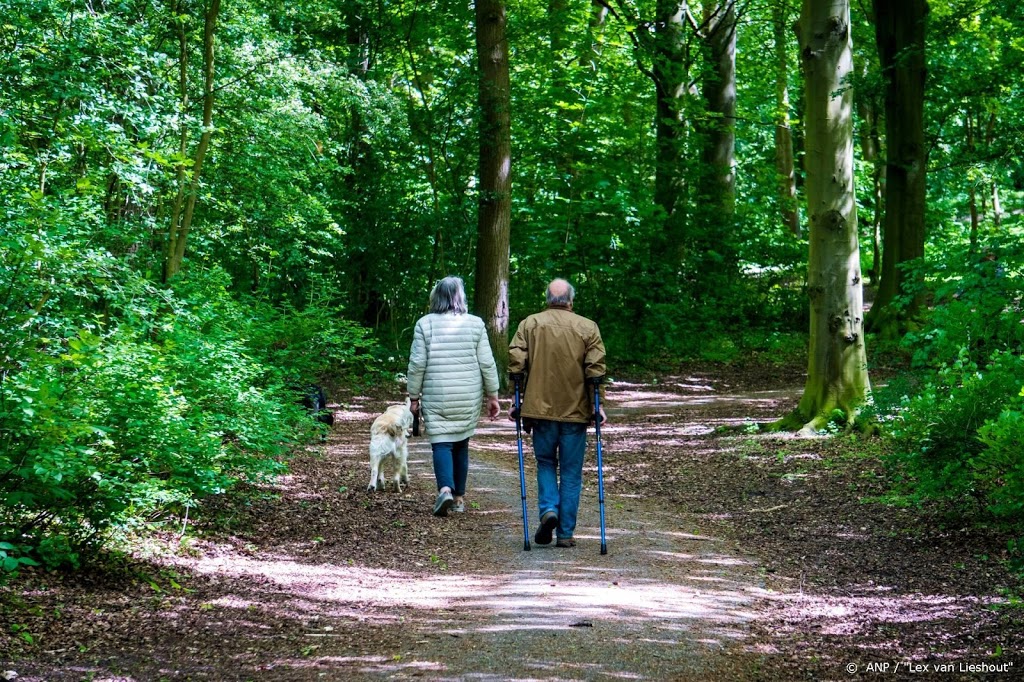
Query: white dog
{"type": "Point", "coordinates": [389, 437]}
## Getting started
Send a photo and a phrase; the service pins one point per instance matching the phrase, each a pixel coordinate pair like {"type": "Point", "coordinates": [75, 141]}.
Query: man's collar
{"type": "Point", "coordinates": [560, 306]}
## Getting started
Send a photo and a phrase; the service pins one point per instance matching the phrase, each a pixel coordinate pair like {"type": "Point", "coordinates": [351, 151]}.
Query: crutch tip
{"type": "Point", "coordinates": [604, 550]}
{"type": "Point", "coordinates": [526, 546]}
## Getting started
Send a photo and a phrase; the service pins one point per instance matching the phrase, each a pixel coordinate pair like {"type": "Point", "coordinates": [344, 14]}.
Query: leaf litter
{"type": "Point", "coordinates": [733, 555]}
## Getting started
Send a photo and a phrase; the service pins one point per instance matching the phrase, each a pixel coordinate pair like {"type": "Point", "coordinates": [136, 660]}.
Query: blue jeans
{"type": "Point", "coordinates": [451, 465]}
{"type": "Point", "coordinates": [559, 448]}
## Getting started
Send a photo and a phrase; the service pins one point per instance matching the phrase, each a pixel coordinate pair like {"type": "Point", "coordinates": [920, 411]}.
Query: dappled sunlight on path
{"type": "Point", "coordinates": [659, 605]}
{"type": "Point", "coordinates": [323, 580]}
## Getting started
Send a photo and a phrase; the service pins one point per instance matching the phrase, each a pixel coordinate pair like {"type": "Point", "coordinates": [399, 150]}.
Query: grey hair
{"type": "Point", "coordinates": [564, 299]}
{"type": "Point", "coordinates": [449, 296]}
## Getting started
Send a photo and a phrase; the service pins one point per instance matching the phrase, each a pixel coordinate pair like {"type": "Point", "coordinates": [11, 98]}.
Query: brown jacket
{"type": "Point", "coordinates": [558, 350]}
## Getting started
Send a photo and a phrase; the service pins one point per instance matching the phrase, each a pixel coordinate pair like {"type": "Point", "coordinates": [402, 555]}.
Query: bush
{"type": "Point", "coordinates": [956, 416]}
{"type": "Point", "coordinates": [1000, 464]}
{"type": "Point", "coordinates": [977, 309]}
{"type": "Point", "coordinates": [961, 437]}
{"type": "Point", "coordinates": [123, 424]}
{"type": "Point", "coordinates": [170, 397]}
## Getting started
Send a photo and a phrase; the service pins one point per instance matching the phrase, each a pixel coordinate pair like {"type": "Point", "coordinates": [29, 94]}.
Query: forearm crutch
{"type": "Point", "coordinates": [517, 379]}
{"type": "Point", "coordinates": [596, 381]}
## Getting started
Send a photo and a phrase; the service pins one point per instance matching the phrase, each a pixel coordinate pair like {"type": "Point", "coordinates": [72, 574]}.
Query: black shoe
{"type": "Point", "coordinates": [548, 522]}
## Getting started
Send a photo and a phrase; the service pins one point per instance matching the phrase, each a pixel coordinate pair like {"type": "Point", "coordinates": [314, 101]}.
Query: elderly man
{"type": "Point", "coordinates": [559, 351]}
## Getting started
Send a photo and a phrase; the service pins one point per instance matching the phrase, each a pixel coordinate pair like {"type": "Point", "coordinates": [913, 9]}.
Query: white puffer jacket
{"type": "Point", "coordinates": [450, 368]}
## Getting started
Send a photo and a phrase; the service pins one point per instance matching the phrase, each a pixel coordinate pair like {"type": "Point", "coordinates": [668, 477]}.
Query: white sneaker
{"type": "Point", "coordinates": [459, 507]}
{"type": "Point", "coordinates": [443, 503]}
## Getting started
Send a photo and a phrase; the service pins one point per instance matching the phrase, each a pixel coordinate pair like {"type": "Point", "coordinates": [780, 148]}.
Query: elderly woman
{"type": "Point", "coordinates": [451, 368]}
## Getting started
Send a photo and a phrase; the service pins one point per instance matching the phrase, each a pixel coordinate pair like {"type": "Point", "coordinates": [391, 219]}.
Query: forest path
{"type": "Point", "coordinates": [666, 602]}
{"type": "Point", "coordinates": [732, 556]}
{"type": "Point", "coordinates": [318, 579]}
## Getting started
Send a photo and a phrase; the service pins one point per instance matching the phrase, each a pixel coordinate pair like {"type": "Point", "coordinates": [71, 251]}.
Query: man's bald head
{"type": "Point", "coordinates": [560, 293]}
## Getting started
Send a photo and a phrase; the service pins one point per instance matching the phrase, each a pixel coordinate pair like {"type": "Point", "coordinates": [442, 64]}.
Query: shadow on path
{"type": "Point", "coordinates": [286, 602]}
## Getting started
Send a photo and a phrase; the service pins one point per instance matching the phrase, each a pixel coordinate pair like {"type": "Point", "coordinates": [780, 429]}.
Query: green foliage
{"type": "Point", "coordinates": [1015, 550]}
{"type": "Point", "coordinates": [126, 421]}
{"type": "Point", "coordinates": [123, 401]}
{"type": "Point", "coordinates": [340, 183]}
{"type": "Point", "coordinates": [12, 557]}
{"type": "Point", "coordinates": [302, 346]}
{"type": "Point", "coordinates": [937, 431]}
{"type": "Point", "coordinates": [1000, 463]}
{"type": "Point", "coordinates": [975, 309]}
{"type": "Point", "coordinates": [956, 420]}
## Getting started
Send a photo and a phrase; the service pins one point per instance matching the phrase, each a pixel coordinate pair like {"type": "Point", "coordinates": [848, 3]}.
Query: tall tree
{"type": "Point", "coordinates": [669, 71]}
{"type": "Point", "coordinates": [900, 35]}
{"type": "Point", "coordinates": [870, 150]}
{"type": "Point", "coordinates": [784, 165]}
{"type": "Point", "coordinates": [837, 377]}
{"type": "Point", "coordinates": [188, 180]}
{"type": "Point", "coordinates": [369, 295]}
{"type": "Point", "coordinates": [494, 216]}
{"type": "Point", "coordinates": [719, 90]}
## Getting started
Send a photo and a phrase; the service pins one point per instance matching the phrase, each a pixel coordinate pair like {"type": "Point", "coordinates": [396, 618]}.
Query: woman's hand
{"type": "Point", "coordinates": [414, 405]}
{"type": "Point", "coordinates": [493, 408]}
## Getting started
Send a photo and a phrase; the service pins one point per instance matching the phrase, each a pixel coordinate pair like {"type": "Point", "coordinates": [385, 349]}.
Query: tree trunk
{"type": "Point", "coordinates": [558, 40]}
{"type": "Point", "coordinates": [837, 377]}
{"type": "Point", "coordinates": [590, 51]}
{"type": "Point", "coordinates": [562, 126]}
{"type": "Point", "coordinates": [784, 166]}
{"type": "Point", "coordinates": [669, 71]}
{"type": "Point", "coordinates": [181, 219]}
{"type": "Point", "coordinates": [997, 207]}
{"type": "Point", "coordinates": [719, 89]}
{"type": "Point", "coordinates": [492, 256]}
{"type": "Point", "coordinates": [900, 34]}
{"type": "Point", "coordinates": [367, 295]}
{"type": "Point", "coordinates": [870, 146]}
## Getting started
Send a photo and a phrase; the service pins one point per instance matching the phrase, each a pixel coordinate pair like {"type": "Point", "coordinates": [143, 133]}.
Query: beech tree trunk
{"type": "Point", "coordinates": [837, 377]}
{"type": "Point", "coordinates": [494, 211]}
{"type": "Point", "coordinates": [870, 146]}
{"type": "Point", "coordinates": [669, 71]}
{"type": "Point", "coordinates": [719, 89]}
{"type": "Point", "coordinates": [188, 183]}
{"type": "Point", "coordinates": [366, 295]}
{"type": "Point", "coordinates": [784, 164]}
{"type": "Point", "coordinates": [900, 33]}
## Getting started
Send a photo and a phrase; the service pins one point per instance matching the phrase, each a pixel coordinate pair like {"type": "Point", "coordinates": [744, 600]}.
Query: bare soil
{"type": "Point", "coordinates": [732, 555]}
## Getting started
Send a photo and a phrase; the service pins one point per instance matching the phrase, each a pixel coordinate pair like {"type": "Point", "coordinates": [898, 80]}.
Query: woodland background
{"type": "Point", "coordinates": [207, 206]}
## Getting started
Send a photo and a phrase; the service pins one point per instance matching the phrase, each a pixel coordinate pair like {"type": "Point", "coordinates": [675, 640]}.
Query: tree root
{"type": "Point", "coordinates": [791, 422]}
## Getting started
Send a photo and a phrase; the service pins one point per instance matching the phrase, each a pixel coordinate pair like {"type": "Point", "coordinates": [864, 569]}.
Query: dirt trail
{"type": "Point", "coordinates": [666, 602]}
{"type": "Point", "coordinates": [732, 556]}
